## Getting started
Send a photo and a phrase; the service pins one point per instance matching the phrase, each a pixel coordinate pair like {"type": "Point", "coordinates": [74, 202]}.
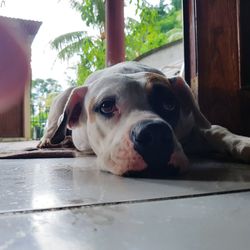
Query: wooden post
{"type": "Point", "coordinates": [115, 50]}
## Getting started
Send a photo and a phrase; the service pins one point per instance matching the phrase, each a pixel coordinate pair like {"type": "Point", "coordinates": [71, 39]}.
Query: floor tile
{"type": "Point", "coordinates": [47, 183]}
{"type": "Point", "coordinates": [18, 145]}
{"type": "Point", "coordinates": [204, 223]}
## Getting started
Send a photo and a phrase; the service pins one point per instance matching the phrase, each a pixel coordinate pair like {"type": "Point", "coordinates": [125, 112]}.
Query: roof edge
{"type": "Point", "coordinates": [158, 49]}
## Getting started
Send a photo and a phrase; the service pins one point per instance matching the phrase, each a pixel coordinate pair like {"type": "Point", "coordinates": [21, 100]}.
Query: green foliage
{"type": "Point", "coordinates": [42, 93]}
{"type": "Point", "coordinates": [92, 58]}
{"type": "Point", "coordinates": [156, 26]}
{"type": "Point", "coordinates": [174, 34]}
{"type": "Point", "coordinates": [90, 49]}
{"type": "Point", "coordinates": [41, 88]}
{"type": "Point", "coordinates": [69, 44]}
{"type": "Point", "coordinates": [92, 12]}
{"type": "Point", "coordinates": [176, 4]}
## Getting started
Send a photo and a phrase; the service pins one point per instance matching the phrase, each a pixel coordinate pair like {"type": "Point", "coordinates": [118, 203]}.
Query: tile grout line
{"type": "Point", "coordinates": [115, 203]}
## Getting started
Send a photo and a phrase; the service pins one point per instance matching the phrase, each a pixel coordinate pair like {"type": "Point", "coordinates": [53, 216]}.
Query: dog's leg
{"type": "Point", "coordinates": [225, 142]}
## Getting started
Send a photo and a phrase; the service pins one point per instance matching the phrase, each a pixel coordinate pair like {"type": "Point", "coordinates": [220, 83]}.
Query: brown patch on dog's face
{"type": "Point", "coordinates": [153, 78]}
{"type": "Point", "coordinates": [162, 99]}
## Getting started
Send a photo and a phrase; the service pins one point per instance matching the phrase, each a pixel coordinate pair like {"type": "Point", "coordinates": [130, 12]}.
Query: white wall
{"type": "Point", "coordinates": [168, 59]}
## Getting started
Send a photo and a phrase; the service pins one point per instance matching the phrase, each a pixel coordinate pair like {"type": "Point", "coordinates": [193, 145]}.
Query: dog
{"type": "Point", "coordinates": [138, 122]}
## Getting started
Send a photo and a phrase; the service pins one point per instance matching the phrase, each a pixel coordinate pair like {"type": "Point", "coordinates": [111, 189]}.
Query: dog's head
{"type": "Point", "coordinates": [133, 122]}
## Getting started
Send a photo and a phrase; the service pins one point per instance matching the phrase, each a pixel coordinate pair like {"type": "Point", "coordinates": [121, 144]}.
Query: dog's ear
{"type": "Point", "coordinates": [71, 114]}
{"type": "Point", "coordinates": [187, 100]}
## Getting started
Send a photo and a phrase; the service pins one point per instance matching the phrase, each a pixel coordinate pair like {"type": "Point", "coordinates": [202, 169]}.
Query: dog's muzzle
{"type": "Point", "coordinates": [153, 140]}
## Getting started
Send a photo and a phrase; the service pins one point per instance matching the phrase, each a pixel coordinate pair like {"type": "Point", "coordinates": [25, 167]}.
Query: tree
{"type": "Point", "coordinates": [42, 93]}
{"type": "Point", "coordinates": [176, 4]}
{"type": "Point", "coordinates": [90, 49]}
{"type": "Point", "coordinates": [157, 25]}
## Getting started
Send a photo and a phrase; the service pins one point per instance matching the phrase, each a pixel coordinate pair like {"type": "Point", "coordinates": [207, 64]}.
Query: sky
{"type": "Point", "coordinates": [57, 18]}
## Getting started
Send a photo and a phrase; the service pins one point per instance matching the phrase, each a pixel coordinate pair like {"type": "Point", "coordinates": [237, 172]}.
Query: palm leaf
{"type": "Point", "coordinates": [69, 44]}
{"type": "Point", "coordinates": [92, 11]}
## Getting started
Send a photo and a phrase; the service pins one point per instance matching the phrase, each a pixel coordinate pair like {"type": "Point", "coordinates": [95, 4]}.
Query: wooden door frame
{"type": "Point", "coordinates": [213, 62]}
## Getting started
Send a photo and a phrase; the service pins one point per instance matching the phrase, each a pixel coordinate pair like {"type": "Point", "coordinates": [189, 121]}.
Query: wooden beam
{"type": "Point", "coordinates": [218, 62]}
{"type": "Point", "coordinates": [115, 50]}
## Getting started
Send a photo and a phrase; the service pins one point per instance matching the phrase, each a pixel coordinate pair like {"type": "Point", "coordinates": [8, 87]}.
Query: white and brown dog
{"type": "Point", "coordinates": [138, 122]}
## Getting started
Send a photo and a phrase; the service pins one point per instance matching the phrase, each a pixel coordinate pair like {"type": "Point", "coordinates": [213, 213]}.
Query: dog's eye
{"type": "Point", "coordinates": [168, 106]}
{"type": "Point", "coordinates": [107, 107]}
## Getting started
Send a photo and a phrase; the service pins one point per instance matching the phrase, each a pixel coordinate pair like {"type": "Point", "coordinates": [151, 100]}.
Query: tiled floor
{"type": "Point", "coordinates": [69, 204]}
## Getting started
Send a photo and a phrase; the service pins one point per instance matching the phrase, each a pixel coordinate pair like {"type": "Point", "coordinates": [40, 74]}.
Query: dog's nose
{"type": "Point", "coordinates": [153, 140]}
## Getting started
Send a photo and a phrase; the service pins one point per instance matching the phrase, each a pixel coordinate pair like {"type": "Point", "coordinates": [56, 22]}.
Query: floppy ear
{"type": "Point", "coordinates": [187, 100]}
{"type": "Point", "coordinates": [71, 114]}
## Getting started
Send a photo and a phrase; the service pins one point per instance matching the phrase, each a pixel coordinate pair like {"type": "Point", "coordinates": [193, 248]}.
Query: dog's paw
{"type": "Point", "coordinates": [66, 143]}
{"type": "Point", "coordinates": [225, 142]}
{"type": "Point", "coordinates": [44, 143]}
{"type": "Point", "coordinates": [242, 149]}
